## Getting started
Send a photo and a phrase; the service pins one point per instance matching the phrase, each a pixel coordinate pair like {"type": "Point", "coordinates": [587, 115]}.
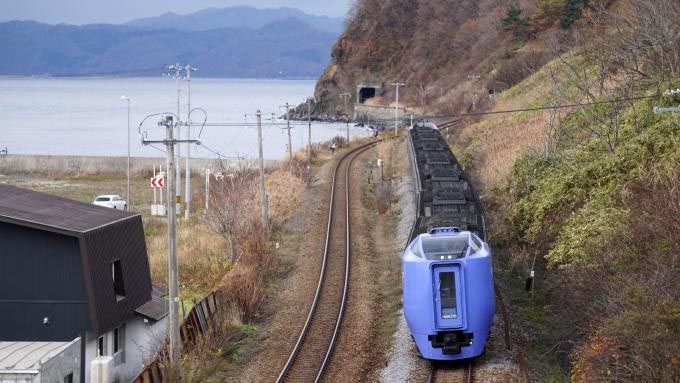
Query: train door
{"type": "Point", "coordinates": [448, 296]}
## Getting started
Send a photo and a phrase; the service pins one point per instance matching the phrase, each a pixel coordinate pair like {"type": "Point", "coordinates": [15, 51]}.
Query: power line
{"type": "Point", "coordinates": [507, 111]}
{"type": "Point", "coordinates": [552, 107]}
{"type": "Point", "coordinates": [215, 152]}
{"type": "Point", "coordinates": [254, 125]}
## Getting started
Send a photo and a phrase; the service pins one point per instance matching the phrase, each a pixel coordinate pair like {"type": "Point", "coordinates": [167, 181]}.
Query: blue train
{"type": "Point", "coordinates": [449, 300]}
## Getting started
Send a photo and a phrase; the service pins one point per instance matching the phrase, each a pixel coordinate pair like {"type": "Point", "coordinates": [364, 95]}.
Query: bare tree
{"type": "Point", "coordinates": [231, 213]}
{"type": "Point", "coordinates": [622, 52]}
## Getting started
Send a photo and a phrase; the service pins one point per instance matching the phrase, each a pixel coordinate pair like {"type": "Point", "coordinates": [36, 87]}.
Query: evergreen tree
{"type": "Point", "coordinates": [514, 22]}
{"type": "Point", "coordinates": [572, 12]}
{"type": "Point", "coordinates": [512, 17]}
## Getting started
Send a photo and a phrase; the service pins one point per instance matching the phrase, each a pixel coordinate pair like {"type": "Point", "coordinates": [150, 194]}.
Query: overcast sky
{"type": "Point", "coordinates": [118, 11]}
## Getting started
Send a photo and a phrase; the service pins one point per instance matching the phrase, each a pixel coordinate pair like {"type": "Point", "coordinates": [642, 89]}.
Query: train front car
{"type": "Point", "coordinates": [448, 293]}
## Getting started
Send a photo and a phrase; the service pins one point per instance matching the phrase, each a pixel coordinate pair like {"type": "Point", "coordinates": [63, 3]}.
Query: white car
{"type": "Point", "coordinates": [112, 201]}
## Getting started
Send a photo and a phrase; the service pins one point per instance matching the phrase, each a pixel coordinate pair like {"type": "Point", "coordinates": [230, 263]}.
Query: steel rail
{"type": "Point", "coordinates": [467, 371]}
{"type": "Point", "coordinates": [348, 254]}
{"type": "Point", "coordinates": [354, 152]}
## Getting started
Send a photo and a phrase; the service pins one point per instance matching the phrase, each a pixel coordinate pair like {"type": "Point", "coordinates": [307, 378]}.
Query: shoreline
{"type": "Point", "coordinates": [36, 164]}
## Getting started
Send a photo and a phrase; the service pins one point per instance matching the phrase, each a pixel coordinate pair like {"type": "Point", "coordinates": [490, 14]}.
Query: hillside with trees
{"type": "Point", "coordinates": [581, 185]}
{"type": "Point", "coordinates": [448, 52]}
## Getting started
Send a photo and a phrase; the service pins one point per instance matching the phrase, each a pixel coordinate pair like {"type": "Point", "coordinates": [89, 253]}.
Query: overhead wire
{"type": "Point", "coordinates": [534, 109]}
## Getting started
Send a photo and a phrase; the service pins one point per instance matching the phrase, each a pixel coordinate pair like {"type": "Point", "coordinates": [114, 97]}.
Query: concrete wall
{"type": "Point", "coordinates": [67, 362]}
{"type": "Point", "coordinates": [141, 342]}
{"type": "Point", "coordinates": [378, 115]}
{"type": "Point", "coordinates": [52, 371]}
{"type": "Point", "coordinates": [28, 377]}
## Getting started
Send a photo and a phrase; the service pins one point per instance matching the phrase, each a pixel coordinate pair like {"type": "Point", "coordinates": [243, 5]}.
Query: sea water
{"type": "Point", "coordinates": [86, 116]}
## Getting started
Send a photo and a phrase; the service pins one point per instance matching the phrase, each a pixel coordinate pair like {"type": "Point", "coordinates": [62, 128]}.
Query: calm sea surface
{"type": "Point", "coordinates": [85, 116]}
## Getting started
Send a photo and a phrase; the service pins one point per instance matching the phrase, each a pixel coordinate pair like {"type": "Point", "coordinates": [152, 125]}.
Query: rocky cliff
{"type": "Point", "coordinates": [450, 54]}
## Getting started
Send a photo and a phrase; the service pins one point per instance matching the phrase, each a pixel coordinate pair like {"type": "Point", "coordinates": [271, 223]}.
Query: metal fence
{"type": "Point", "coordinates": [196, 323]}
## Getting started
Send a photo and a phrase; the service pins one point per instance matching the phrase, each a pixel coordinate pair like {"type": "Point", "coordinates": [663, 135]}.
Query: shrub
{"type": "Point", "coordinates": [245, 287]}
{"type": "Point", "coordinates": [635, 302]}
{"type": "Point", "coordinates": [571, 12]}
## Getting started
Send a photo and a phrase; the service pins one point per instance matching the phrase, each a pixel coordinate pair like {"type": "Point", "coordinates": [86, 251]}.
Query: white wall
{"type": "Point", "coordinates": [140, 345]}
{"type": "Point", "coordinates": [142, 340]}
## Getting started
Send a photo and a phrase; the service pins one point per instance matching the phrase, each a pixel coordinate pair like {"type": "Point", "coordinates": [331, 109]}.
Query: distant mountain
{"type": "Point", "coordinates": [287, 48]}
{"type": "Point", "coordinates": [237, 17]}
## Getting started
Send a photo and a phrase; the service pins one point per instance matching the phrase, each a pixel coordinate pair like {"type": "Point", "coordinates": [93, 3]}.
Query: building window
{"type": "Point", "coordinates": [118, 339]}
{"type": "Point", "coordinates": [119, 345]}
{"type": "Point", "coordinates": [101, 350]}
{"type": "Point", "coordinates": [68, 378]}
{"type": "Point", "coordinates": [118, 284]}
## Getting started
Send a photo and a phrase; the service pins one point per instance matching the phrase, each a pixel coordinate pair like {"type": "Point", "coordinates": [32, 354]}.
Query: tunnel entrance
{"type": "Point", "coordinates": [365, 93]}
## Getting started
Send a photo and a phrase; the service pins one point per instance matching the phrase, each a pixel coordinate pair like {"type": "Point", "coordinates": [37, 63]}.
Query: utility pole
{"type": "Point", "coordinates": [345, 97]}
{"type": "Point", "coordinates": [290, 144]}
{"type": "Point", "coordinates": [178, 183]}
{"type": "Point", "coordinates": [396, 84]}
{"type": "Point", "coordinates": [173, 274]}
{"type": "Point", "coordinates": [263, 191]}
{"type": "Point", "coordinates": [474, 77]}
{"type": "Point", "coordinates": [126, 98]}
{"type": "Point", "coordinates": [187, 169]}
{"type": "Point", "coordinates": [309, 131]}
{"type": "Point", "coordinates": [175, 71]}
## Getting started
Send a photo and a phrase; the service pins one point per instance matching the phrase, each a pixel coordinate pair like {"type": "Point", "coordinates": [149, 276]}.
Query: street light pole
{"type": "Point", "coordinates": [396, 84]}
{"type": "Point", "coordinates": [126, 98]}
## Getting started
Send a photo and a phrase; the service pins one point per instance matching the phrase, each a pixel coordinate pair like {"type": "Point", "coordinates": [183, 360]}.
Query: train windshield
{"type": "Point", "coordinates": [447, 293]}
{"type": "Point", "coordinates": [445, 247]}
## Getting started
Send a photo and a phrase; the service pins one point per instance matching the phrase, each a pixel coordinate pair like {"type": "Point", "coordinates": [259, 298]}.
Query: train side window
{"type": "Point", "coordinates": [475, 243]}
{"type": "Point", "coordinates": [415, 248]}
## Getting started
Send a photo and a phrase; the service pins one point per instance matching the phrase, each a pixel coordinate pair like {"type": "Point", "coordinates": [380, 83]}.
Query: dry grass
{"type": "Point", "coordinates": [201, 254]}
{"type": "Point", "coordinates": [76, 166]}
{"type": "Point", "coordinates": [285, 194]}
{"type": "Point", "coordinates": [495, 144]}
{"type": "Point", "coordinates": [488, 148]}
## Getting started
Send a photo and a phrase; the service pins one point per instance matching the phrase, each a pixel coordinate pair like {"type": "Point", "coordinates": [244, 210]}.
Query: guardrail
{"type": "Point", "coordinates": [197, 322]}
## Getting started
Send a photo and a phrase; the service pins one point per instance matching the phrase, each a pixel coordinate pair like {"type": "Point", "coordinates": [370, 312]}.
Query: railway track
{"type": "Point", "coordinates": [458, 373]}
{"type": "Point", "coordinates": [314, 346]}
